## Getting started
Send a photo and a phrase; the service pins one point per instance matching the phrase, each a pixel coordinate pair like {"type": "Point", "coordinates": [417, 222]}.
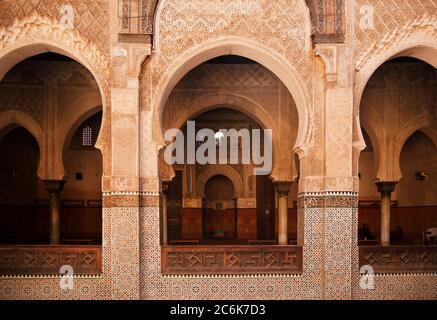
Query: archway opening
{"type": "Point", "coordinates": [52, 95]}
{"type": "Point", "coordinates": [233, 104]}
{"type": "Point", "coordinates": [219, 209]}
{"type": "Point", "coordinates": [368, 217]}
{"type": "Point", "coordinates": [399, 99]}
{"type": "Point", "coordinates": [81, 219]}
{"type": "Point", "coordinates": [250, 199]}
{"type": "Point", "coordinates": [416, 192]}
{"type": "Point", "coordinates": [22, 222]}
{"type": "Point", "coordinates": [250, 207]}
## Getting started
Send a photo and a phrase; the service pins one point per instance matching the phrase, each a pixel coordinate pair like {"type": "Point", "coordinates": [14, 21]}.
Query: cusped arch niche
{"type": "Point", "coordinates": [248, 49]}
{"type": "Point", "coordinates": [11, 118]}
{"type": "Point", "coordinates": [38, 34]}
{"type": "Point", "coordinates": [223, 170]}
{"type": "Point", "coordinates": [420, 46]}
{"type": "Point", "coordinates": [176, 57]}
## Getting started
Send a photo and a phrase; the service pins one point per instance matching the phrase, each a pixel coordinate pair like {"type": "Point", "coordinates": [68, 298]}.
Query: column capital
{"type": "Point", "coordinates": [283, 188]}
{"type": "Point", "coordinates": [329, 55]}
{"type": "Point", "coordinates": [386, 186]}
{"type": "Point", "coordinates": [165, 185]}
{"type": "Point", "coordinates": [54, 185]}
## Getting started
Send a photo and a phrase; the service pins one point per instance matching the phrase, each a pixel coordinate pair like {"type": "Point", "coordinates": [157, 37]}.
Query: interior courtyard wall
{"type": "Point", "coordinates": [328, 206]}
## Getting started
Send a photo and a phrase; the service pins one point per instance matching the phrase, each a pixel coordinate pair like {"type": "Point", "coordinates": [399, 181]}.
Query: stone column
{"type": "Point", "coordinates": [165, 185]}
{"type": "Point", "coordinates": [54, 187]}
{"type": "Point", "coordinates": [135, 190]}
{"type": "Point", "coordinates": [337, 193]}
{"type": "Point", "coordinates": [283, 189]}
{"type": "Point", "coordinates": [385, 188]}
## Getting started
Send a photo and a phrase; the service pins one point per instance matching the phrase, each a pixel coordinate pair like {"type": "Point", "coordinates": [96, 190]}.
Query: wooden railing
{"type": "Point", "coordinates": [48, 259]}
{"type": "Point", "coordinates": [218, 260]}
{"type": "Point", "coordinates": [400, 259]}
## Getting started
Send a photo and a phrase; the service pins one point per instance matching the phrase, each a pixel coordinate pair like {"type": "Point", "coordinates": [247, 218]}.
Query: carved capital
{"type": "Point", "coordinates": [283, 188]}
{"type": "Point", "coordinates": [329, 54]}
{"type": "Point", "coordinates": [165, 185]}
{"type": "Point", "coordinates": [137, 55]}
{"type": "Point", "coordinates": [130, 57]}
{"type": "Point", "coordinates": [386, 186]}
{"type": "Point", "coordinates": [54, 186]}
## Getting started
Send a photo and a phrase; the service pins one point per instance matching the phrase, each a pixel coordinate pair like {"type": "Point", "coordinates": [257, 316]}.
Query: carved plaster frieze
{"type": "Point", "coordinates": [426, 25]}
{"type": "Point", "coordinates": [36, 28]}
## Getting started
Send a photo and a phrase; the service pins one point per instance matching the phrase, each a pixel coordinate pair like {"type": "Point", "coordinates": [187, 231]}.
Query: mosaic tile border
{"type": "Point", "coordinates": [130, 200]}
{"type": "Point", "coordinates": [327, 200]}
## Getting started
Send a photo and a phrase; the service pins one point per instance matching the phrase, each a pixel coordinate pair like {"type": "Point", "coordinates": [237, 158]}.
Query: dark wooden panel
{"type": "Point", "coordinates": [174, 207]}
{"type": "Point", "coordinates": [210, 260]}
{"type": "Point", "coordinates": [192, 223]}
{"type": "Point", "coordinates": [220, 219]}
{"type": "Point", "coordinates": [30, 224]}
{"type": "Point", "coordinates": [47, 260]}
{"type": "Point", "coordinates": [413, 221]}
{"type": "Point", "coordinates": [265, 202]}
{"type": "Point", "coordinates": [399, 259]}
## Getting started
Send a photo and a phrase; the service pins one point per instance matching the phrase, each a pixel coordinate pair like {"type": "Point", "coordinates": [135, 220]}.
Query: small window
{"type": "Point", "coordinates": [87, 136]}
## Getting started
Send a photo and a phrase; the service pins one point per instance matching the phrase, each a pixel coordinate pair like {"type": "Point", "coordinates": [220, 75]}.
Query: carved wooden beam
{"type": "Point", "coordinates": [399, 259]}
{"type": "Point", "coordinates": [136, 20]}
{"type": "Point", "coordinates": [48, 259]}
{"type": "Point", "coordinates": [215, 260]}
{"type": "Point", "coordinates": [327, 18]}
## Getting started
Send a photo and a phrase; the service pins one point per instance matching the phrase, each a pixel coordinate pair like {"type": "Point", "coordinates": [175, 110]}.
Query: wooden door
{"type": "Point", "coordinates": [265, 204]}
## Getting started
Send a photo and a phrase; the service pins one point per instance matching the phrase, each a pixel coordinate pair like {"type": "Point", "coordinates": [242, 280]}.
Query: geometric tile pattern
{"type": "Point", "coordinates": [124, 253]}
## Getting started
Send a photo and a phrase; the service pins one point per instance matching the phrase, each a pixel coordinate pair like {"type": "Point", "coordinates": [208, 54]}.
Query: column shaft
{"type": "Point", "coordinates": [385, 188]}
{"type": "Point", "coordinates": [54, 188]}
{"type": "Point", "coordinates": [55, 231]}
{"type": "Point", "coordinates": [385, 218]}
{"type": "Point", "coordinates": [283, 221]}
{"type": "Point", "coordinates": [283, 189]}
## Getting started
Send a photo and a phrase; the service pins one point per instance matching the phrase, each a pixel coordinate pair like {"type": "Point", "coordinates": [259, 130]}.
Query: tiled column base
{"type": "Point", "coordinates": [124, 253]}
{"type": "Point", "coordinates": [335, 237]}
